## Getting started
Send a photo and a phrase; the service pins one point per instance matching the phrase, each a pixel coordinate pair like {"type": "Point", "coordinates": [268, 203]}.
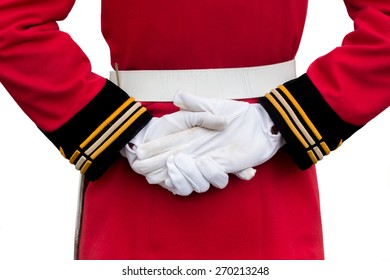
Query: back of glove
{"type": "Point", "coordinates": [170, 124]}
{"type": "Point", "coordinates": [245, 142]}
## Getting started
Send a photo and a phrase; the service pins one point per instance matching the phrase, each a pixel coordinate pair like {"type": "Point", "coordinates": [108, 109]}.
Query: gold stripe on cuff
{"type": "Point", "coordinates": [287, 120]}
{"type": "Point", "coordinates": [301, 112]}
{"type": "Point", "coordinates": [325, 148]}
{"type": "Point", "coordinates": [106, 122]}
{"type": "Point", "coordinates": [118, 123]}
{"type": "Point", "coordinates": [312, 156]}
{"type": "Point", "coordinates": [118, 133]}
{"type": "Point", "coordinates": [75, 155]}
{"type": "Point", "coordinates": [105, 136]}
{"type": "Point", "coordinates": [297, 122]}
{"type": "Point", "coordinates": [85, 167]}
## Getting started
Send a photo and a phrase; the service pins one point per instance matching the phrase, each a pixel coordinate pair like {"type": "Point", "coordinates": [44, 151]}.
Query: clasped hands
{"type": "Point", "coordinates": [198, 146]}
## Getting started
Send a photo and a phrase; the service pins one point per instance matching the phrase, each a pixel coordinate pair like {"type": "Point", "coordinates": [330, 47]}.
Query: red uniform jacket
{"type": "Point", "coordinates": [276, 215]}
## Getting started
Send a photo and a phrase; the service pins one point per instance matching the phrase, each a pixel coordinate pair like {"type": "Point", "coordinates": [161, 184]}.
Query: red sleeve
{"type": "Point", "coordinates": [50, 78]}
{"type": "Point", "coordinates": [341, 90]}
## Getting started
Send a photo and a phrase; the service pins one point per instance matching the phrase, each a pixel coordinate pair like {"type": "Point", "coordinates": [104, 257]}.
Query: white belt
{"type": "Point", "coordinates": [230, 83]}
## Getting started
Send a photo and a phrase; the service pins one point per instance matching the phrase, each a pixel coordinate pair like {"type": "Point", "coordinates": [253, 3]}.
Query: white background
{"type": "Point", "coordinates": [38, 188]}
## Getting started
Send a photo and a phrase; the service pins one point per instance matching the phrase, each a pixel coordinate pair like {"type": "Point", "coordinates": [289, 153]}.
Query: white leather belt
{"type": "Point", "coordinates": [229, 83]}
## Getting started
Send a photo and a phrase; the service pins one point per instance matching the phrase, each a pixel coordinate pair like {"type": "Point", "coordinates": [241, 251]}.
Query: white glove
{"type": "Point", "coordinates": [168, 124]}
{"type": "Point", "coordinates": [245, 142]}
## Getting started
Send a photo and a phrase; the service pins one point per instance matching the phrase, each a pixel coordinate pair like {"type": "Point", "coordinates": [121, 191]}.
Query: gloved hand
{"type": "Point", "coordinates": [169, 124]}
{"type": "Point", "coordinates": [245, 142]}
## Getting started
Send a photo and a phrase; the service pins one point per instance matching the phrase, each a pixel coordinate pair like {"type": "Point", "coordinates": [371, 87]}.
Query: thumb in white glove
{"type": "Point", "coordinates": [170, 124]}
{"type": "Point", "coordinates": [246, 141]}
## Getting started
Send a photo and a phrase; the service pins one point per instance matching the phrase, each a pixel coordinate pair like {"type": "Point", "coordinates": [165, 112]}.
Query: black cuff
{"type": "Point", "coordinates": [308, 124]}
{"type": "Point", "coordinates": [92, 139]}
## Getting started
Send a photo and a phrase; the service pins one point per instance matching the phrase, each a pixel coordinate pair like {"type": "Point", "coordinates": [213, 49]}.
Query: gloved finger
{"type": "Point", "coordinates": [186, 119]}
{"type": "Point", "coordinates": [246, 174]}
{"type": "Point", "coordinates": [147, 166]}
{"type": "Point", "coordinates": [169, 184]}
{"type": "Point", "coordinates": [193, 103]}
{"type": "Point", "coordinates": [168, 187]}
{"type": "Point", "coordinates": [157, 176]}
{"type": "Point", "coordinates": [213, 172]}
{"type": "Point", "coordinates": [153, 155]}
{"type": "Point", "coordinates": [149, 160]}
{"type": "Point", "coordinates": [181, 185]}
{"type": "Point", "coordinates": [167, 145]}
{"type": "Point", "coordinates": [190, 171]}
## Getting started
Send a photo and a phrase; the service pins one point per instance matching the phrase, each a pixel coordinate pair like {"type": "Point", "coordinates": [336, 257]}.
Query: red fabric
{"type": "Point", "coordinates": [171, 34]}
{"type": "Point", "coordinates": [354, 79]}
{"type": "Point", "coordinates": [42, 68]}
